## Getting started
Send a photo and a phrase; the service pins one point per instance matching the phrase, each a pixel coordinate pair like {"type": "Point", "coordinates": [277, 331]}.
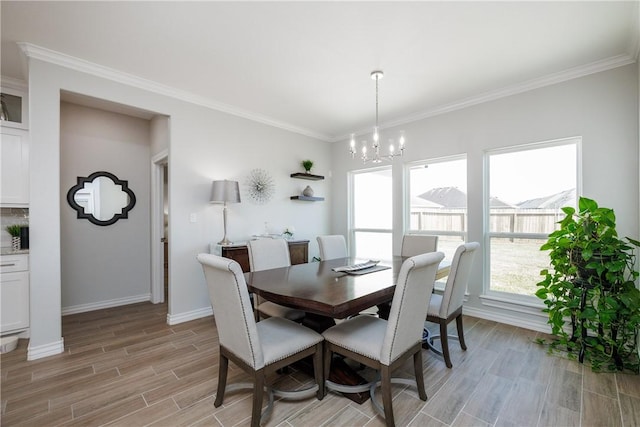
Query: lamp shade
{"type": "Point", "coordinates": [225, 191]}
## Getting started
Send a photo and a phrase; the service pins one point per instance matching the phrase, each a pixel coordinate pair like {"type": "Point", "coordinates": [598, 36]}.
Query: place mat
{"type": "Point", "coordinates": [368, 270]}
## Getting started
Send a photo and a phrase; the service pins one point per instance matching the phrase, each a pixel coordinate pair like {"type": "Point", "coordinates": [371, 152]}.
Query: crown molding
{"type": "Point", "coordinates": [77, 64]}
{"type": "Point", "coordinates": [16, 84]}
{"type": "Point", "coordinates": [551, 79]}
{"type": "Point", "coordinates": [47, 55]}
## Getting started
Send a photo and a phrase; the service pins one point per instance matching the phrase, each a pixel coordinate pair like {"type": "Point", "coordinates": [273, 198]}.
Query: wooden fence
{"type": "Point", "coordinates": [541, 221]}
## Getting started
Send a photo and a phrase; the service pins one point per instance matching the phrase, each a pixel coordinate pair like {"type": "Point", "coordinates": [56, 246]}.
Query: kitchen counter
{"type": "Point", "coordinates": [9, 251]}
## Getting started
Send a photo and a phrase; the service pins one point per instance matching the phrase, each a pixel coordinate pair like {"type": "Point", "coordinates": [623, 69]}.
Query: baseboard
{"type": "Point", "coordinates": [45, 350]}
{"type": "Point", "coordinates": [174, 319]}
{"type": "Point", "coordinates": [82, 308]}
{"type": "Point", "coordinates": [538, 325]}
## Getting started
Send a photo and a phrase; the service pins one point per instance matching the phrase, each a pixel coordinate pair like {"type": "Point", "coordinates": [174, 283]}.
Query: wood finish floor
{"type": "Point", "coordinates": [126, 367]}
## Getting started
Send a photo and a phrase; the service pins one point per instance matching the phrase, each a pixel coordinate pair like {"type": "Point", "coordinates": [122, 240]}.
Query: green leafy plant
{"type": "Point", "coordinates": [589, 291]}
{"type": "Point", "coordinates": [307, 165]}
{"type": "Point", "coordinates": [591, 288]}
{"type": "Point", "coordinates": [13, 230]}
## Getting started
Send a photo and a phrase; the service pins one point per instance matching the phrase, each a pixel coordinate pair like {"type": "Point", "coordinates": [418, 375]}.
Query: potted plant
{"type": "Point", "coordinates": [591, 286]}
{"type": "Point", "coordinates": [307, 165]}
{"type": "Point", "coordinates": [14, 231]}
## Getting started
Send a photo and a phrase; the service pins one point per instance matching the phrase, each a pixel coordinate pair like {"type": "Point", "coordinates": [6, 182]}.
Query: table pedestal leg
{"type": "Point", "coordinates": [341, 373]}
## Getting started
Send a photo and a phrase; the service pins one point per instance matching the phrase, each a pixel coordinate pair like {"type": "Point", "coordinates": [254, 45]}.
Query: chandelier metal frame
{"type": "Point", "coordinates": [376, 157]}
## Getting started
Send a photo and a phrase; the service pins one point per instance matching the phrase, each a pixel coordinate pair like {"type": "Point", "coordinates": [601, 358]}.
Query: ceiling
{"type": "Point", "coordinates": [305, 65]}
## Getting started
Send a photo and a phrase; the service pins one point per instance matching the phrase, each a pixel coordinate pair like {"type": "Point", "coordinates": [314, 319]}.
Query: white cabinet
{"type": "Point", "coordinates": [14, 168]}
{"type": "Point", "coordinates": [14, 293]}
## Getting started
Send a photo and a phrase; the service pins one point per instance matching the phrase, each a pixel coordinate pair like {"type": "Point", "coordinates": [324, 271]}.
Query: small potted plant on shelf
{"type": "Point", "coordinates": [589, 291]}
{"type": "Point", "coordinates": [288, 232]}
{"type": "Point", "coordinates": [307, 165]}
{"type": "Point", "coordinates": [14, 231]}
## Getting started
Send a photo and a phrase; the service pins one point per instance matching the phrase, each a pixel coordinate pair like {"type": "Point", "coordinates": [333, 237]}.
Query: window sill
{"type": "Point", "coordinates": [518, 303]}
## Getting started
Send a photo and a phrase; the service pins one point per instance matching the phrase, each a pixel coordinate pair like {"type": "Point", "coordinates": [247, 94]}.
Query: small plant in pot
{"type": "Point", "coordinates": [14, 231]}
{"type": "Point", "coordinates": [307, 165]}
{"type": "Point", "coordinates": [591, 288]}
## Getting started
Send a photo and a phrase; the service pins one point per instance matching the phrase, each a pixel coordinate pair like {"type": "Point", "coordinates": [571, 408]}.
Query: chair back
{"type": "Point", "coordinates": [456, 286]}
{"type": "Point", "coordinates": [416, 244]}
{"type": "Point", "coordinates": [265, 254]}
{"type": "Point", "coordinates": [332, 247]}
{"type": "Point", "coordinates": [409, 306]}
{"type": "Point", "coordinates": [232, 309]}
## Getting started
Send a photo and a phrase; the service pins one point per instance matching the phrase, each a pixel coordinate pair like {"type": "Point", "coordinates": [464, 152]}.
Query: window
{"type": "Point", "coordinates": [437, 201]}
{"type": "Point", "coordinates": [372, 214]}
{"type": "Point", "coordinates": [527, 186]}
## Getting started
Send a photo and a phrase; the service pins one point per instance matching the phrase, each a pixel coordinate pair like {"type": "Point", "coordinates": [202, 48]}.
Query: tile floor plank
{"type": "Point", "coordinates": [124, 366]}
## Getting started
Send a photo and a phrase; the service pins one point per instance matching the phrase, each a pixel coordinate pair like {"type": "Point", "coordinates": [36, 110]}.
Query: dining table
{"type": "Point", "coordinates": [326, 295]}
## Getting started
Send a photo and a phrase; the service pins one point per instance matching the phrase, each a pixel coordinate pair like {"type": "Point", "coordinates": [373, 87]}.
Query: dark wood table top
{"type": "Point", "coordinates": [315, 288]}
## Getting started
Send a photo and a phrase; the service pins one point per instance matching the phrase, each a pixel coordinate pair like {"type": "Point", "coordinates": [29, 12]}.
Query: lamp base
{"type": "Point", "coordinates": [225, 242]}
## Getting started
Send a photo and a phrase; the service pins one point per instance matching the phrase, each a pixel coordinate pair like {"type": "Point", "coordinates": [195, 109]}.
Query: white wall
{"type": "Point", "coordinates": [602, 108]}
{"type": "Point", "coordinates": [204, 145]}
{"type": "Point", "coordinates": [101, 264]}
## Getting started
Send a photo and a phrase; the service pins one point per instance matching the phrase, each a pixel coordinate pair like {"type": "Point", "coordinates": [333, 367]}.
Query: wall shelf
{"type": "Point", "coordinates": [309, 176]}
{"type": "Point", "coordinates": [307, 199]}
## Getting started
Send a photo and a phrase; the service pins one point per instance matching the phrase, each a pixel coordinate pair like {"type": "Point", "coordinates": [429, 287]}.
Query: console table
{"type": "Point", "coordinates": [298, 251]}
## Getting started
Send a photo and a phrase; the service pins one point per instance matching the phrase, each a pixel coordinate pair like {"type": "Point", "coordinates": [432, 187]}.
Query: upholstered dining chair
{"type": "Point", "coordinates": [261, 348]}
{"type": "Point", "coordinates": [416, 244]}
{"type": "Point", "coordinates": [265, 254]}
{"type": "Point", "coordinates": [384, 345]}
{"type": "Point", "coordinates": [446, 307]}
{"type": "Point", "coordinates": [332, 246]}
{"type": "Point", "coordinates": [412, 245]}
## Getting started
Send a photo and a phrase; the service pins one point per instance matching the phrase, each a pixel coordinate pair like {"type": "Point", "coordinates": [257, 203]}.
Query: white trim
{"type": "Point", "coordinates": [406, 202]}
{"type": "Point", "coordinates": [486, 202]}
{"type": "Point", "coordinates": [174, 319]}
{"type": "Point", "coordinates": [71, 62]}
{"type": "Point", "coordinates": [16, 84]}
{"type": "Point", "coordinates": [538, 325]}
{"type": "Point", "coordinates": [82, 308]}
{"type": "Point", "coordinates": [157, 223]}
{"type": "Point", "coordinates": [45, 350]}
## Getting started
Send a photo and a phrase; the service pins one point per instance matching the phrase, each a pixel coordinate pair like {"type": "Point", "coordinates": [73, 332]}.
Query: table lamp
{"type": "Point", "coordinates": [225, 191]}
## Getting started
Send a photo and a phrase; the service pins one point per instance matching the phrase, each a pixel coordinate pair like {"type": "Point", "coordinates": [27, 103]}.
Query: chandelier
{"type": "Point", "coordinates": [375, 156]}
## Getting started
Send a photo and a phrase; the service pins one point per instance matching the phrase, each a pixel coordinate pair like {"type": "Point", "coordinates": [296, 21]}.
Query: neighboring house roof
{"type": "Point", "coordinates": [448, 197]}
{"type": "Point", "coordinates": [554, 201]}
{"type": "Point", "coordinates": [419, 202]}
{"type": "Point", "coordinates": [453, 197]}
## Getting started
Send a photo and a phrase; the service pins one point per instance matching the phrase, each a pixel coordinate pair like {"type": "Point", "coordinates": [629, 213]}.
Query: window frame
{"type": "Point", "coordinates": [487, 292]}
{"type": "Point", "coordinates": [406, 214]}
{"type": "Point", "coordinates": [352, 230]}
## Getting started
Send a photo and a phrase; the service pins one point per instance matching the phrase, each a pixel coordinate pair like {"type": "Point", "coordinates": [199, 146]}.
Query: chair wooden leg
{"type": "Point", "coordinates": [327, 364]}
{"type": "Point", "coordinates": [222, 379]}
{"type": "Point", "coordinates": [460, 332]}
{"type": "Point", "coordinates": [318, 370]}
{"type": "Point", "coordinates": [417, 368]}
{"type": "Point", "coordinates": [385, 380]}
{"type": "Point", "coordinates": [258, 392]}
{"type": "Point", "coordinates": [444, 340]}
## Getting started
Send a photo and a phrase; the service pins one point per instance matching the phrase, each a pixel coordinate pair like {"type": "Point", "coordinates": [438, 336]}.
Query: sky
{"type": "Point", "coordinates": [515, 176]}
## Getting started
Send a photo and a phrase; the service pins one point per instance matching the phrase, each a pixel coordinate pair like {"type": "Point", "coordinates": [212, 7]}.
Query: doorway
{"type": "Point", "coordinates": [159, 228]}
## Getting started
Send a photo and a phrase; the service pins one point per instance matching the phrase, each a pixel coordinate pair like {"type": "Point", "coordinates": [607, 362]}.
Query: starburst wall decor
{"type": "Point", "coordinates": [260, 186]}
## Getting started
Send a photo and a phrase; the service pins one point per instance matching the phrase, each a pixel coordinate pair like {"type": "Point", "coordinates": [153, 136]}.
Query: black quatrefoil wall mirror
{"type": "Point", "coordinates": [101, 198]}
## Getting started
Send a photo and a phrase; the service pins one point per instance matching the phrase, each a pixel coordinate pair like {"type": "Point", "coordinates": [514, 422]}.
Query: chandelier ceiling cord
{"type": "Point", "coordinates": [377, 157]}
